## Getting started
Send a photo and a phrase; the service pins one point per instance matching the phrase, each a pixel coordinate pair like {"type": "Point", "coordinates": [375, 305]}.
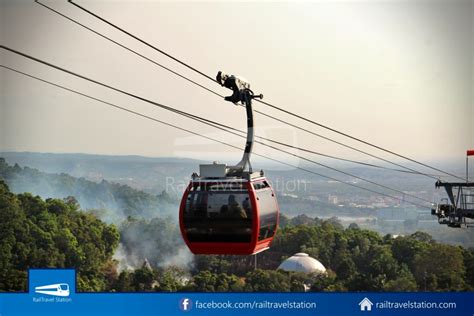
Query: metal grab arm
{"type": "Point", "coordinates": [241, 93]}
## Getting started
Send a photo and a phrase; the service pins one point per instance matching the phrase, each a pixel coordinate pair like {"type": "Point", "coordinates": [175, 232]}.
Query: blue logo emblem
{"type": "Point", "coordinates": [185, 304]}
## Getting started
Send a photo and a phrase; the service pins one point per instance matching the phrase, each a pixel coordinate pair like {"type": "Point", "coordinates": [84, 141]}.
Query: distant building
{"type": "Point", "coordinates": [333, 199]}
{"type": "Point", "coordinates": [426, 224]}
{"type": "Point", "coordinates": [420, 218]}
{"type": "Point", "coordinates": [302, 262]}
{"type": "Point", "coordinates": [396, 214]}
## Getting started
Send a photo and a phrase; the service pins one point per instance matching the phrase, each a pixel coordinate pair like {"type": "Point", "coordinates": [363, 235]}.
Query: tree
{"type": "Point", "coordinates": [326, 282]}
{"type": "Point", "coordinates": [123, 282]}
{"type": "Point", "coordinates": [11, 227]}
{"type": "Point", "coordinates": [404, 282]}
{"type": "Point", "coordinates": [51, 233]}
{"type": "Point", "coordinates": [142, 280]}
{"type": "Point", "coordinates": [469, 265]}
{"type": "Point", "coordinates": [173, 279]}
{"type": "Point", "coordinates": [204, 281]}
{"type": "Point", "coordinates": [440, 267]}
{"type": "Point", "coordinates": [267, 281]}
{"type": "Point", "coordinates": [405, 249]}
{"type": "Point", "coordinates": [353, 226]}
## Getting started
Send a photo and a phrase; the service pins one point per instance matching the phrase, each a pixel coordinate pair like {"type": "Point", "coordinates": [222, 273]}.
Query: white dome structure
{"type": "Point", "coordinates": [302, 262]}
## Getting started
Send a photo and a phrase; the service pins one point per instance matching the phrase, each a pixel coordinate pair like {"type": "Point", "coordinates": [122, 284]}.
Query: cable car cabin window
{"type": "Point", "coordinates": [218, 213]}
{"type": "Point", "coordinates": [261, 185]}
{"type": "Point", "coordinates": [268, 210]}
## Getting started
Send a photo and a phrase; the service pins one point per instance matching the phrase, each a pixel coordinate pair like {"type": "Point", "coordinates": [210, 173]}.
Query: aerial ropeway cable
{"type": "Point", "coordinates": [212, 139]}
{"type": "Point", "coordinates": [256, 111]}
{"type": "Point", "coordinates": [264, 102]}
{"type": "Point", "coordinates": [142, 41]}
{"type": "Point", "coordinates": [194, 117]}
{"type": "Point", "coordinates": [322, 154]}
{"type": "Point", "coordinates": [407, 169]}
{"type": "Point", "coordinates": [222, 127]}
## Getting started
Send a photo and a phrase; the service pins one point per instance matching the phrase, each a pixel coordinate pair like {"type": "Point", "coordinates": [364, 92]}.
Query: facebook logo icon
{"type": "Point", "coordinates": [185, 304]}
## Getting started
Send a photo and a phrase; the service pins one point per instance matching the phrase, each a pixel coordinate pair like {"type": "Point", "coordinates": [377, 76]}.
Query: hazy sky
{"type": "Point", "coordinates": [396, 73]}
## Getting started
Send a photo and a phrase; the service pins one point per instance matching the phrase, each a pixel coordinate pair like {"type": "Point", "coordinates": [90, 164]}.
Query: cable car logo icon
{"type": "Point", "coordinates": [60, 289]}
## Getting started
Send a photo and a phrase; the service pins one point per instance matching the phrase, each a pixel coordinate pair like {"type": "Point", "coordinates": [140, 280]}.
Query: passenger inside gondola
{"type": "Point", "coordinates": [247, 208]}
{"type": "Point", "coordinates": [218, 216]}
{"type": "Point", "coordinates": [232, 209]}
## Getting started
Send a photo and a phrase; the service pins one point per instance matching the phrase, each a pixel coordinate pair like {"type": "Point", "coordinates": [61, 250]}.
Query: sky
{"type": "Point", "coordinates": [398, 74]}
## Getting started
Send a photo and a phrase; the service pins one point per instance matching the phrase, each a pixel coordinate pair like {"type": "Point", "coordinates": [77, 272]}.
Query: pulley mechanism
{"type": "Point", "coordinates": [239, 86]}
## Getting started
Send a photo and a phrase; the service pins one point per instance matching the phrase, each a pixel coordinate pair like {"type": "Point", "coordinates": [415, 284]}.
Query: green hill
{"type": "Point", "coordinates": [112, 202]}
{"type": "Point", "coordinates": [36, 233]}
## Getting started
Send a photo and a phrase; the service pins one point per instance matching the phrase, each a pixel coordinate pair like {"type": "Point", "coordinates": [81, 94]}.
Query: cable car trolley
{"type": "Point", "coordinates": [230, 209]}
{"type": "Point", "coordinates": [456, 213]}
{"type": "Point", "coordinates": [461, 197]}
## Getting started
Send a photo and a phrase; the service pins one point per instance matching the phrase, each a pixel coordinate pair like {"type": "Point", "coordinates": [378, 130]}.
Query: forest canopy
{"type": "Point", "coordinates": [36, 233]}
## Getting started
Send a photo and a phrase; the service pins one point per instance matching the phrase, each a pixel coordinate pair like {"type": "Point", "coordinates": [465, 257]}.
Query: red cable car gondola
{"type": "Point", "coordinates": [230, 210]}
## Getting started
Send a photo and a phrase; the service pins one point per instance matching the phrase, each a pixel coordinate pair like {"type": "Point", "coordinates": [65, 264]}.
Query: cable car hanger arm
{"type": "Point", "coordinates": [241, 93]}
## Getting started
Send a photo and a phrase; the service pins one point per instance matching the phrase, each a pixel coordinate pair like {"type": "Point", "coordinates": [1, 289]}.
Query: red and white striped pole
{"type": "Point", "coordinates": [470, 152]}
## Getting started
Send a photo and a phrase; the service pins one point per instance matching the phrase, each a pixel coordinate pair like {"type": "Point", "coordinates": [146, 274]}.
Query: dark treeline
{"type": "Point", "coordinates": [56, 233]}
{"type": "Point", "coordinates": [111, 202]}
